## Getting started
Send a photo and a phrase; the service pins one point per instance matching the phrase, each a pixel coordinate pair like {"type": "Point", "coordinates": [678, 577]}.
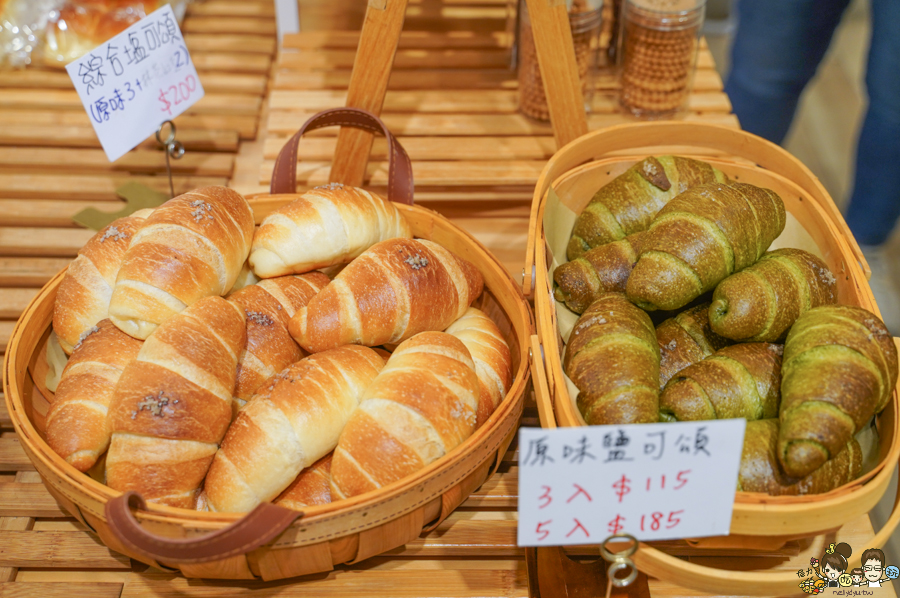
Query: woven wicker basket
{"type": "Point", "coordinates": [347, 531]}
{"type": "Point", "coordinates": [575, 172]}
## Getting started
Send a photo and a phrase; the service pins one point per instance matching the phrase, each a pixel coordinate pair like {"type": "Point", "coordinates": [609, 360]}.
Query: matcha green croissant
{"type": "Point", "coordinates": [761, 472]}
{"type": "Point", "coordinates": [839, 369]}
{"type": "Point", "coordinates": [761, 302]}
{"type": "Point", "coordinates": [700, 237]}
{"type": "Point", "coordinates": [627, 204]}
{"type": "Point", "coordinates": [686, 339]}
{"type": "Point", "coordinates": [600, 270]}
{"type": "Point", "coordinates": [613, 358]}
{"type": "Point", "coordinates": [737, 381]}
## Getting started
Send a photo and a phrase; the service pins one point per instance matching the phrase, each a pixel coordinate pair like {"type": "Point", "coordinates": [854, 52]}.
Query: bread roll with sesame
{"type": "Point", "coordinates": [191, 247]}
{"type": "Point", "coordinates": [172, 404]}
{"type": "Point", "coordinates": [87, 287]}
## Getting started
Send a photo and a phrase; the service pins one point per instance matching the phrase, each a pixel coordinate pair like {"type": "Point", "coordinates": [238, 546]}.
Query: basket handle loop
{"type": "Point", "coordinates": [258, 527]}
{"type": "Point", "coordinates": [400, 176]}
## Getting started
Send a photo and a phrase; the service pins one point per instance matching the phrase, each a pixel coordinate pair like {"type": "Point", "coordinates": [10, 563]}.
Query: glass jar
{"type": "Point", "coordinates": [658, 41]}
{"type": "Point", "coordinates": [585, 20]}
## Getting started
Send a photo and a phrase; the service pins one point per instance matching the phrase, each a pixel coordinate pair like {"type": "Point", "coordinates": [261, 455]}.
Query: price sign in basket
{"type": "Point", "coordinates": [652, 481]}
{"type": "Point", "coordinates": [134, 82]}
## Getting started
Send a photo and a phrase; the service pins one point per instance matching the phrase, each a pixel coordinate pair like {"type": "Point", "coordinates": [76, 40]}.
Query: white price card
{"type": "Point", "coordinates": [654, 481]}
{"type": "Point", "coordinates": [134, 82]}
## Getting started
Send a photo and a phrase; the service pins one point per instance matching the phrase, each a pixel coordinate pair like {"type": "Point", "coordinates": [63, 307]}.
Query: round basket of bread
{"type": "Point", "coordinates": [267, 388]}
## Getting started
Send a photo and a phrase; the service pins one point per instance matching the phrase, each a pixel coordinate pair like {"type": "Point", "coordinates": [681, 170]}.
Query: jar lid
{"type": "Point", "coordinates": [666, 14]}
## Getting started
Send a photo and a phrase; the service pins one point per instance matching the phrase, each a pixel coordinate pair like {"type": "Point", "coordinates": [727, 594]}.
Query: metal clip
{"type": "Point", "coordinates": [619, 561]}
{"type": "Point", "coordinates": [174, 149]}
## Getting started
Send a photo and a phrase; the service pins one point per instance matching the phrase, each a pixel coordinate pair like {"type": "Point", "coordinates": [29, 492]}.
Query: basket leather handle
{"type": "Point", "coordinates": [258, 527]}
{"type": "Point", "coordinates": [400, 177]}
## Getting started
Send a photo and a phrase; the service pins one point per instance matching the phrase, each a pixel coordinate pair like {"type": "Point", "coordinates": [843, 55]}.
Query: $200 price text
{"type": "Point", "coordinates": [653, 481]}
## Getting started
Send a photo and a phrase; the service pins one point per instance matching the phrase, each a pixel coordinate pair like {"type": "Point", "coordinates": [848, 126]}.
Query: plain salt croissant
{"type": "Point", "coordinates": [327, 225]}
{"type": "Point", "coordinates": [311, 487]}
{"type": "Point", "coordinates": [191, 247]}
{"type": "Point", "coordinates": [394, 290]}
{"type": "Point", "coordinates": [172, 404]}
{"type": "Point", "coordinates": [270, 305]}
{"type": "Point", "coordinates": [87, 287]}
{"type": "Point", "coordinates": [77, 426]}
{"type": "Point", "coordinates": [291, 423]}
{"type": "Point", "coordinates": [490, 353]}
{"type": "Point", "coordinates": [419, 408]}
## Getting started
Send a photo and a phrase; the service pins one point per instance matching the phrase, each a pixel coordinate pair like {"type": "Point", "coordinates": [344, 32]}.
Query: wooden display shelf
{"type": "Point", "coordinates": [453, 103]}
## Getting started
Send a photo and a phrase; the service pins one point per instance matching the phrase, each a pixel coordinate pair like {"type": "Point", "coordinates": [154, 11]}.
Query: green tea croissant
{"type": "Point", "coordinates": [628, 203]}
{"type": "Point", "coordinates": [761, 472]}
{"type": "Point", "coordinates": [839, 369]}
{"type": "Point", "coordinates": [761, 302]}
{"type": "Point", "coordinates": [737, 381]}
{"type": "Point", "coordinates": [700, 237]}
{"type": "Point", "coordinates": [613, 359]}
{"type": "Point", "coordinates": [600, 270]}
{"type": "Point", "coordinates": [686, 339]}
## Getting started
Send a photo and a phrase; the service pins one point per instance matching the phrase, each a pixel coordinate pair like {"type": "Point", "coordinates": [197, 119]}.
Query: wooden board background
{"type": "Point", "coordinates": [451, 100]}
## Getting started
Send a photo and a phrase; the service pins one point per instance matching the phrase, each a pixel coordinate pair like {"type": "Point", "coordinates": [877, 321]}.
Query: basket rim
{"type": "Point", "coordinates": [747, 503]}
{"type": "Point", "coordinates": [523, 327]}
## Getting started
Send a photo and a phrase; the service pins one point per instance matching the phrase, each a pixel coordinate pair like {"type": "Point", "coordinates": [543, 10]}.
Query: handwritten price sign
{"type": "Point", "coordinates": [653, 481]}
{"type": "Point", "coordinates": [135, 81]}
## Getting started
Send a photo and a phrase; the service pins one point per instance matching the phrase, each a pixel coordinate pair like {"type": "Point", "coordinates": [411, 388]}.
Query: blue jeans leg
{"type": "Point", "coordinates": [875, 202]}
{"type": "Point", "coordinates": [777, 49]}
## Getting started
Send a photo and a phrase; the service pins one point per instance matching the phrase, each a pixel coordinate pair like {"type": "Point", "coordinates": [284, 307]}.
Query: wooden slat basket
{"type": "Point", "coordinates": [342, 532]}
{"type": "Point", "coordinates": [575, 173]}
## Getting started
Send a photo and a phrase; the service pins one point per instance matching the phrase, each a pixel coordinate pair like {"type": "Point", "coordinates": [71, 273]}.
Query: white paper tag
{"type": "Point", "coordinates": [134, 82]}
{"type": "Point", "coordinates": [654, 481]}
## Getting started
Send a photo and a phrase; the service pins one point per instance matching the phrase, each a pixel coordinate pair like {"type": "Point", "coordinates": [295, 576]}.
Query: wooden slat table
{"type": "Point", "coordinates": [453, 104]}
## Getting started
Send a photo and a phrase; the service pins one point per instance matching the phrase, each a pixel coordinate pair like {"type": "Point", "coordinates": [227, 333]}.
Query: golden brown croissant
{"type": "Point", "coordinates": [191, 247]}
{"type": "Point", "coordinates": [270, 305]}
{"type": "Point", "coordinates": [419, 408]}
{"type": "Point", "coordinates": [629, 202]}
{"type": "Point", "coordinates": [613, 358]}
{"type": "Point", "coordinates": [293, 421]}
{"type": "Point", "coordinates": [85, 291]}
{"type": "Point", "coordinates": [328, 225]}
{"type": "Point", "coordinates": [77, 427]}
{"type": "Point", "coordinates": [839, 369]}
{"type": "Point", "coordinates": [493, 364]}
{"type": "Point", "coordinates": [761, 302]}
{"type": "Point", "coordinates": [311, 487]}
{"type": "Point", "coordinates": [172, 404]}
{"type": "Point", "coordinates": [394, 290]}
{"type": "Point", "coordinates": [700, 237]}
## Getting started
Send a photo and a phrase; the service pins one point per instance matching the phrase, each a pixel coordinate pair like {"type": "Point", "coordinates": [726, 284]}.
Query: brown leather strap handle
{"type": "Point", "coordinates": [258, 527]}
{"type": "Point", "coordinates": [400, 177]}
